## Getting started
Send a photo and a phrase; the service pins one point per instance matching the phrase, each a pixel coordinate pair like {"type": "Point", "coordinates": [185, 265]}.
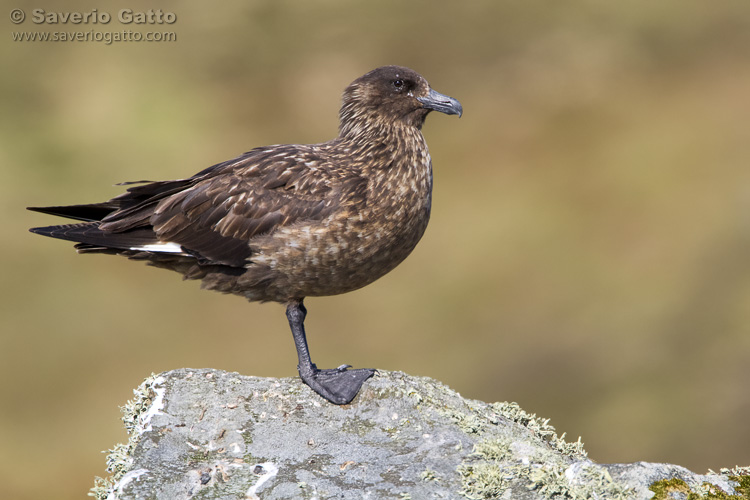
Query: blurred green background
{"type": "Point", "coordinates": [588, 255]}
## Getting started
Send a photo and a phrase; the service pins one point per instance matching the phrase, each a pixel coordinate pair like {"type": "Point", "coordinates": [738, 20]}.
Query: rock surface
{"type": "Point", "coordinates": [210, 434]}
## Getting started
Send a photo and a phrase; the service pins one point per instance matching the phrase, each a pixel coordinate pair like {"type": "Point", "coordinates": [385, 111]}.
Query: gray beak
{"type": "Point", "coordinates": [439, 102]}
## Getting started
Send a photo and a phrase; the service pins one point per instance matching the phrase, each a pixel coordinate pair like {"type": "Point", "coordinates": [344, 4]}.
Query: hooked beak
{"type": "Point", "coordinates": [439, 102]}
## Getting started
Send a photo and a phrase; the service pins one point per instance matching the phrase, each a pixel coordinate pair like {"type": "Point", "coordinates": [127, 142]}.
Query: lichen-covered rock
{"type": "Point", "coordinates": [215, 435]}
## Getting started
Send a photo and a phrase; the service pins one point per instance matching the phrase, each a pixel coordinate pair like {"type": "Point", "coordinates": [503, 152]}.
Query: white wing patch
{"type": "Point", "coordinates": [165, 247]}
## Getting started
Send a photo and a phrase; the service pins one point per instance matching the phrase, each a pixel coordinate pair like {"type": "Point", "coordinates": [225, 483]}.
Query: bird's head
{"type": "Point", "coordinates": [392, 95]}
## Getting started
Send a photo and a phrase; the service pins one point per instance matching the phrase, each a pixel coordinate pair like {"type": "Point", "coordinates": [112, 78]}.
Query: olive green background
{"type": "Point", "coordinates": [588, 255]}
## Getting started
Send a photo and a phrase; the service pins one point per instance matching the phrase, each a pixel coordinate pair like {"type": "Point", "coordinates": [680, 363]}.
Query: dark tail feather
{"type": "Point", "coordinates": [91, 235]}
{"type": "Point", "coordinates": [136, 198]}
{"type": "Point", "coordinates": [86, 213]}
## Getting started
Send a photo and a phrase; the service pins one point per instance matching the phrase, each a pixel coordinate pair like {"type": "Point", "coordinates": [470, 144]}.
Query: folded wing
{"type": "Point", "coordinates": [214, 215]}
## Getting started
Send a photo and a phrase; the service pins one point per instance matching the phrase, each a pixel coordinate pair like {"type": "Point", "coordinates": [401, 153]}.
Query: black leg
{"type": "Point", "coordinates": [338, 385]}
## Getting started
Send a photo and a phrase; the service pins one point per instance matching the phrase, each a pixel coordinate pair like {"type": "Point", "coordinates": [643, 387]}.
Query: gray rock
{"type": "Point", "coordinates": [210, 434]}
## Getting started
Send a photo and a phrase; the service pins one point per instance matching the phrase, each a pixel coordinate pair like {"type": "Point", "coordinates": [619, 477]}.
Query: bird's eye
{"type": "Point", "coordinates": [398, 84]}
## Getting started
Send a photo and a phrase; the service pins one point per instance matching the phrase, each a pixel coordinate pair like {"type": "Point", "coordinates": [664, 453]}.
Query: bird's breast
{"type": "Point", "coordinates": [364, 240]}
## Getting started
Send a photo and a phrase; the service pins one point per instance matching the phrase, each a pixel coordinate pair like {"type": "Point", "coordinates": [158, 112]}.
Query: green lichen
{"type": "Point", "coordinates": [541, 428]}
{"type": "Point", "coordinates": [198, 457]}
{"type": "Point", "coordinates": [467, 422]}
{"type": "Point", "coordinates": [550, 481]}
{"type": "Point", "coordinates": [741, 476]}
{"type": "Point", "coordinates": [668, 489]}
{"type": "Point", "coordinates": [743, 483]}
{"type": "Point", "coordinates": [475, 419]}
{"type": "Point", "coordinates": [497, 449]}
{"type": "Point", "coordinates": [598, 483]}
{"type": "Point", "coordinates": [486, 470]}
{"type": "Point", "coordinates": [593, 481]}
{"type": "Point", "coordinates": [429, 475]}
{"type": "Point", "coordinates": [482, 480]}
{"type": "Point", "coordinates": [119, 460]}
{"type": "Point", "coordinates": [416, 397]}
{"type": "Point", "coordinates": [589, 482]}
{"type": "Point", "coordinates": [737, 471]}
{"type": "Point", "coordinates": [490, 469]}
{"type": "Point", "coordinates": [102, 488]}
{"type": "Point", "coordinates": [247, 437]}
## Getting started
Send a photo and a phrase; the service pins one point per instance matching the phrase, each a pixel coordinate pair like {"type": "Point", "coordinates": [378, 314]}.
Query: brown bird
{"type": "Point", "coordinates": [281, 223]}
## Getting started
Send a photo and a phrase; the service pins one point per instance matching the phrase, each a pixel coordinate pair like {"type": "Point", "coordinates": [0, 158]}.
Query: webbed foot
{"type": "Point", "coordinates": [337, 385]}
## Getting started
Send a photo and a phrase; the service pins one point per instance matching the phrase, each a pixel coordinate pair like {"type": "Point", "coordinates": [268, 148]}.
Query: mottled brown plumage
{"type": "Point", "coordinates": [284, 222]}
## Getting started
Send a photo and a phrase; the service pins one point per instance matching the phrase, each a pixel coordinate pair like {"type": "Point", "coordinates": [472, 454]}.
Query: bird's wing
{"type": "Point", "coordinates": [214, 217]}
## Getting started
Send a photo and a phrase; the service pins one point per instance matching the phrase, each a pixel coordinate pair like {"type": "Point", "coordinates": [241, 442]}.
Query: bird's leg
{"type": "Point", "coordinates": [338, 385]}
